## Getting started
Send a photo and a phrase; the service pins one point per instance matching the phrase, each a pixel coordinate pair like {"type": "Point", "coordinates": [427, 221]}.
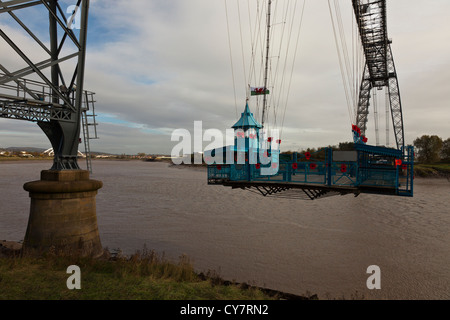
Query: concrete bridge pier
{"type": "Point", "coordinates": [63, 215]}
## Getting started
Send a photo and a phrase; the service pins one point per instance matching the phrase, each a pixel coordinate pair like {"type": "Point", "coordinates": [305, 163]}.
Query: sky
{"type": "Point", "coordinates": [160, 65]}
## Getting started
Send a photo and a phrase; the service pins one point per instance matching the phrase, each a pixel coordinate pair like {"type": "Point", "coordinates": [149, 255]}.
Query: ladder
{"type": "Point", "coordinates": [88, 120]}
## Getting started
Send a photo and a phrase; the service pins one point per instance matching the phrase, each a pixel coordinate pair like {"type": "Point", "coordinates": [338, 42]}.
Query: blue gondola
{"type": "Point", "coordinates": [254, 162]}
{"type": "Point", "coordinates": [257, 165]}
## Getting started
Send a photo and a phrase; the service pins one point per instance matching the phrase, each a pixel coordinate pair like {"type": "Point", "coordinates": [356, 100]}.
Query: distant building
{"type": "Point", "coordinates": [25, 154]}
{"type": "Point", "coordinates": [51, 153]}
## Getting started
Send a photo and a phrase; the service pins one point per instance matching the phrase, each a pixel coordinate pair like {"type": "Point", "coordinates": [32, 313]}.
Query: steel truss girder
{"type": "Point", "coordinates": [34, 113]}
{"type": "Point", "coordinates": [305, 193]}
{"type": "Point", "coordinates": [379, 70]}
{"type": "Point", "coordinates": [394, 101]}
{"type": "Point", "coordinates": [364, 101]}
{"type": "Point", "coordinates": [60, 116]}
{"type": "Point", "coordinates": [371, 19]}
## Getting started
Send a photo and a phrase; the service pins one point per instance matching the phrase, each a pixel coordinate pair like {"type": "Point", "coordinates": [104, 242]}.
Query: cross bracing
{"type": "Point", "coordinates": [379, 69]}
{"type": "Point", "coordinates": [54, 99]}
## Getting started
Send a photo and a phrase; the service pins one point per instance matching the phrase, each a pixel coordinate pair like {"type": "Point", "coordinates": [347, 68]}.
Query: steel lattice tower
{"type": "Point", "coordinates": [379, 69]}
{"type": "Point", "coordinates": [55, 100]}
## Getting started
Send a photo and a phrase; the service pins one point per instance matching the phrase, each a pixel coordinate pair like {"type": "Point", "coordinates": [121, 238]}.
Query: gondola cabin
{"type": "Point", "coordinates": [256, 164]}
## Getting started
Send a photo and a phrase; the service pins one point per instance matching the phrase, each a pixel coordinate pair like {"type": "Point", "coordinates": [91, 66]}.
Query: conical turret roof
{"type": "Point", "coordinates": [247, 120]}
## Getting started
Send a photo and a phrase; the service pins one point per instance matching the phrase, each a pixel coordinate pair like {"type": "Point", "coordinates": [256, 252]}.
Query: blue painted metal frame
{"type": "Point", "coordinates": [378, 169]}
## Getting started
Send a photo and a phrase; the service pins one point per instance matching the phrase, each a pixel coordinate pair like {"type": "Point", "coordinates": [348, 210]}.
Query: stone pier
{"type": "Point", "coordinates": [63, 215]}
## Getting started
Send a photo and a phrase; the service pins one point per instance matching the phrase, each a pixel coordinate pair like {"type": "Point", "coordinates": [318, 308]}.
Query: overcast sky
{"type": "Point", "coordinates": [160, 65]}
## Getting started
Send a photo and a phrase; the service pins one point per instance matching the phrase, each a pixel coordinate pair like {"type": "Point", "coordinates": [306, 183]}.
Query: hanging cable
{"type": "Point", "coordinates": [231, 57]}
{"type": "Point", "coordinates": [242, 42]}
{"type": "Point", "coordinates": [275, 100]}
{"type": "Point", "coordinates": [341, 65]}
{"type": "Point", "coordinates": [387, 105]}
{"type": "Point", "coordinates": [293, 65]}
{"type": "Point", "coordinates": [376, 117]}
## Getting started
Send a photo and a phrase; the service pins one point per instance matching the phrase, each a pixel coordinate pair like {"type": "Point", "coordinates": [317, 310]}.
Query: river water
{"type": "Point", "coordinates": [321, 247]}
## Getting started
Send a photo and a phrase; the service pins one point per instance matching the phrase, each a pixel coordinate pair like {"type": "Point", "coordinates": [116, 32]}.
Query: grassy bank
{"type": "Point", "coordinates": [142, 276]}
{"type": "Point", "coordinates": [441, 170]}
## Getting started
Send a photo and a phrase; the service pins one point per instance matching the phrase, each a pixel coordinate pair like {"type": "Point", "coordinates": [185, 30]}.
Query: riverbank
{"type": "Point", "coordinates": [144, 275]}
{"type": "Point", "coordinates": [432, 170]}
{"type": "Point", "coordinates": [420, 170]}
{"type": "Point", "coordinates": [22, 159]}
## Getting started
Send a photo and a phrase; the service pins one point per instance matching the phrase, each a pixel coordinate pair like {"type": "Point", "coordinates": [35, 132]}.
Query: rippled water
{"type": "Point", "coordinates": [322, 246]}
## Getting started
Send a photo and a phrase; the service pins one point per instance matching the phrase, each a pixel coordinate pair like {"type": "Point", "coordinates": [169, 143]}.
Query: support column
{"type": "Point", "coordinates": [63, 214]}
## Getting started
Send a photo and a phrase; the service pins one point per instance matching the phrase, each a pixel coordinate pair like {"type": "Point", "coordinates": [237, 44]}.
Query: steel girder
{"type": "Point", "coordinates": [395, 101]}
{"type": "Point", "coordinates": [371, 19]}
{"type": "Point", "coordinates": [59, 114]}
{"type": "Point", "coordinates": [379, 70]}
{"type": "Point", "coordinates": [364, 101]}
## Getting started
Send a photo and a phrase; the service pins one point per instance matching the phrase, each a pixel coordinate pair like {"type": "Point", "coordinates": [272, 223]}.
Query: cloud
{"type": "Point", "coordinates": [161, 65]}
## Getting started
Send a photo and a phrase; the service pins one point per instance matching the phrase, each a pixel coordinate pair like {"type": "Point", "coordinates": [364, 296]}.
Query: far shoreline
{"type": "Point", "coordinates": [434, 174]}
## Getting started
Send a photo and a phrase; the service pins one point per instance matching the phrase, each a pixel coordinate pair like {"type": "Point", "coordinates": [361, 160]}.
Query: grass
{"type": "Point", "coordinates": [143, 276]}
{"type": "Point", "coordinates": [432, 170]}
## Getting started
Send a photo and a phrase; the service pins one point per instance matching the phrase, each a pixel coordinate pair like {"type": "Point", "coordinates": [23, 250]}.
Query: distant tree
{"type": "Point", "coordinates": [346, 146]}
{"type": "Point", "coordinates": [428, 148]}
{"type": "Point", "coordinates": [445, 152]}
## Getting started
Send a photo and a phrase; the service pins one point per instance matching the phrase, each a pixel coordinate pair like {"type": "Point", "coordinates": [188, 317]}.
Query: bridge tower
{"type": "Point", "coordinates": [53, 95]}
{"type": "Point", "coordinates": [379, 69]}
{"type": "Point", "coordinates": [45, 84]}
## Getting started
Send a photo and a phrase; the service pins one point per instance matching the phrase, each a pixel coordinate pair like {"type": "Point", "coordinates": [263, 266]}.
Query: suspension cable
{"type": "Point", "coordinates": [242, 42]}
{"type": "Point", "coordinates": [231, 57]}
{"type": "Point", "coordinates": [341, 63]}
{"type": "Point", "coordinates": [293, 65]}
